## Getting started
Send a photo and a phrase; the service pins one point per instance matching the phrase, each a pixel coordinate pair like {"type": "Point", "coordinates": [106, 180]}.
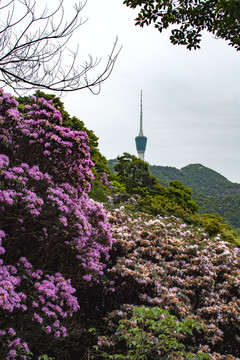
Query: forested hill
{"type": "Point", "coordinates": [212, 191]}
{"type": "Point", "coordinates": [197, 177]}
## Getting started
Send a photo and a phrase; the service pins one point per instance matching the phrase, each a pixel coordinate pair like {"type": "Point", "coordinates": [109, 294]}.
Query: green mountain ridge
{"type": "Point", "coordinates": [212, 191]}
{"type": "Point", "coordinates": [198, 177]}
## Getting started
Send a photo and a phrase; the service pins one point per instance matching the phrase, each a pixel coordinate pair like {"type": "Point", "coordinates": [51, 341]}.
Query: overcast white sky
{"type": "Point", "coordinates": [191, 105]}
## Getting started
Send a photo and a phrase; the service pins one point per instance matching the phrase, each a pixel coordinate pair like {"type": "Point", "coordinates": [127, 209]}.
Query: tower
{"type": "Point", "coordinates": [141, 140]}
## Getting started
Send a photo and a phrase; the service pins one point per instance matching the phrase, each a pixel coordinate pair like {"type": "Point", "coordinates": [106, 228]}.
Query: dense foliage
{"type": "Point", "coordinates": [152, 332]}
{"type": "Point", "coordinates": [190, 18]}
{"type": "Point", "coordinates": [134, 173]}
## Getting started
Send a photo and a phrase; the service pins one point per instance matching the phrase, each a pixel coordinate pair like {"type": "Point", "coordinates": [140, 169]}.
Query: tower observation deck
{"type": "Point", "coordinates": [141, 140]}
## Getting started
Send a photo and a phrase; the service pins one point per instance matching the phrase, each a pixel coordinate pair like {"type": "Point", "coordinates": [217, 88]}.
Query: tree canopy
{"type": "Point", "coordinates": [134, 173]}
{"type": "Point", "coordinates": [188, 19]}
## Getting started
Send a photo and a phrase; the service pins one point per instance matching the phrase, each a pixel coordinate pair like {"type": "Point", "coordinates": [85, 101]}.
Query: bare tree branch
{"type": "Point", "coordinates": [34, 52]}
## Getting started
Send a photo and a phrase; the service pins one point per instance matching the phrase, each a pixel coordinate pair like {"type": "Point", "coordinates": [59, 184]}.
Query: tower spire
{"type": "Point", "coordinates": [141, 118]}
{"type": "Point", "coordinates": [141, 140]}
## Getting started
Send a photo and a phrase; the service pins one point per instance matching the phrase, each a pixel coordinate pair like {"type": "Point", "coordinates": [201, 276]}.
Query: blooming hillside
{"type": "Point", "coordinates": [163, 262]}
{"type": "Point", "coordinates": [68, 290]}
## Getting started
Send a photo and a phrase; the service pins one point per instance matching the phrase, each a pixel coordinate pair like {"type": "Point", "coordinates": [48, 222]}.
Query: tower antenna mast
{"type": "Point", "coordinates": [141, 118]}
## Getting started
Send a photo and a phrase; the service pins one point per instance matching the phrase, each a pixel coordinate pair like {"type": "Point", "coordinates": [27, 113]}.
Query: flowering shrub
{"type": "Point", "coordinates": [49, 228]}
{"type": "Point", "coordinates": [163, 262]}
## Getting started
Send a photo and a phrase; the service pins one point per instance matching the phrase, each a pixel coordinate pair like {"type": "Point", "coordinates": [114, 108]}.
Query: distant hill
{"type": "Point", "coordinates": [212, 191]}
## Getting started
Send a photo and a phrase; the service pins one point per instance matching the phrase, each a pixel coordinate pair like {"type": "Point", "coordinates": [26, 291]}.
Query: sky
{"type": "Point", "coordinates": [191, 104]}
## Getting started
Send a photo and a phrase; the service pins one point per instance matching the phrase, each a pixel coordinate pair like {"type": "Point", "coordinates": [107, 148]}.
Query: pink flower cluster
{"type": "Point", "coordinates": [10, 298]}
{"type": "Point", "coordinates": [14, 346]}
{"type": "Point", "coordinates": [51, 298]}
